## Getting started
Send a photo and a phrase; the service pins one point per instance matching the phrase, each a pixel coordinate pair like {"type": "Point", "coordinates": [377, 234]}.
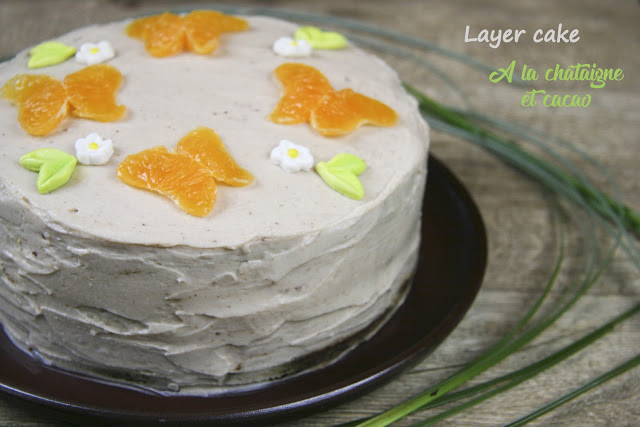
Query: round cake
{"type": "Point", "coordinates": [287, 271]}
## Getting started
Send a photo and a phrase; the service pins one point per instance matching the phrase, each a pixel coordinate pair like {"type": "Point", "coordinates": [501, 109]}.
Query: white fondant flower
{"type": "Point", "coordinates": [292, 157]}
{"type": "Point", "coordinates": [91, 53]}
{"type": "Point", "coordinates": [286, 46]}
{"type": "Point", "coordinates": [93, 150]}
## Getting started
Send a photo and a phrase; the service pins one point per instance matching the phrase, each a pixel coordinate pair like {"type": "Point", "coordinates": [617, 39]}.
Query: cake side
{"type": "Point", "coordinates": [186, 314]}
{"type": "Point", "coordinates": [102, 277]}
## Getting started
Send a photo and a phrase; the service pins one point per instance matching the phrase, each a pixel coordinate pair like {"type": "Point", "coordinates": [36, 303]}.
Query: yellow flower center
{"type": "Point", "coordinates": [293, 153]}
{"type": "Point", "coordinates": [294, 43]}
{"type": "Point", "coordinates": [95, 50]}
{"type": "Point", "coordinates": [93, 146]}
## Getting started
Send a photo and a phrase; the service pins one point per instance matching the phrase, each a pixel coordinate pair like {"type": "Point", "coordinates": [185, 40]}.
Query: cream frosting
{"type": "Point", "coordinates": [102, 277]}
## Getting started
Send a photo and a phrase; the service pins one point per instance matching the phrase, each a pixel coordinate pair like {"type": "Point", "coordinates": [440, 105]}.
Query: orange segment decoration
{"type": "Point", "coordinates": [41, 100]}
{"type": "Point", "coordinates": [92, 92]}
{"type": "Point", "coordinates": [203, 29]}
{"type": "Point", "coordinates": [340, 112]}
{"type": "Point", "coordinates": [44, 102]}
{"type": "Point", "coordinates": [205, 146]}
{"type": "Point", "coordinates": [199, 31]}
{"type": "Point", "coordinates": [307, 96]}
{"type": "Point", "coordinates": [303, 88]}
{"type": "Point", "coordinates": [179, 177]}
{"type": "Point", "coordinates": [21, 86]}
{"type": "Point", "coordinates": [137, 28]}
{"type": "Point", "coordinates": [164, 36]}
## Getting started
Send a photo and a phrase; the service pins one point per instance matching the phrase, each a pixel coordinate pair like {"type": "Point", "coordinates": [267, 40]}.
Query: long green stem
{"type": "Point", "coordinates": [484, 362]}
{"type": "Point", "coordinates": [490, 388]}
{"type": "Point", "coordinates": [602, 203]}
{"type": "Point", "coordinates": [517, 377]}
{"type": "Point", "coordinates": [620, 369]}
{"type": "Point", "coordinates": [543, 171]}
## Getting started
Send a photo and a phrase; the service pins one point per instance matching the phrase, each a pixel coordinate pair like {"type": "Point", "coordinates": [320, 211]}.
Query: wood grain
{"type": "Point", "coordinates": [517, 212]}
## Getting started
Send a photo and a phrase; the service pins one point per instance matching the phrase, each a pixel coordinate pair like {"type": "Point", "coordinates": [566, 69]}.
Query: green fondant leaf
{"type": "Point", "coordinates": [49, 53]}
{"type": "Point", "coordinates": [348, 162]}
{"type": "Point", "coordinates": [319, 39]}
{"type": "Point", "coordinates": [340, 173]}
{"type": "Point", "coordinates": [54, 167]}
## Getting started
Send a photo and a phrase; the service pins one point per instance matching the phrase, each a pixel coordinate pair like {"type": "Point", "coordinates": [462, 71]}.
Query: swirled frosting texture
{"type": "Point", "coordinates": [105, 278]}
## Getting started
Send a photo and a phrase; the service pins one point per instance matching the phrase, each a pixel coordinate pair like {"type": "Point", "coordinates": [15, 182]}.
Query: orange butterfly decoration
{"type": "Point", "coordinates": [308, 97]}
{"type": "Point", "coordinates": [199, 31]}
{"type": "Point", "coordinates": [44, 102]}
{"type": "Point", "coordinates": [188, 176]}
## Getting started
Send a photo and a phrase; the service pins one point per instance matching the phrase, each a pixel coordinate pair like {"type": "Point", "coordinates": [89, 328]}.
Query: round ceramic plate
{"type": "Point", "coordinates": [449, 274]}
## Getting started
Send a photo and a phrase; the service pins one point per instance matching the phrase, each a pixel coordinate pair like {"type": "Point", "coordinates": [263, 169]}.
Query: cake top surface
{"type": "Point", "coordinates": [233, 92]}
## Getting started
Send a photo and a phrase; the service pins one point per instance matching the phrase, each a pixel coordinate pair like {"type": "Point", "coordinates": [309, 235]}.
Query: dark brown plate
{"type": "Point", "coordinates": [452, 262]}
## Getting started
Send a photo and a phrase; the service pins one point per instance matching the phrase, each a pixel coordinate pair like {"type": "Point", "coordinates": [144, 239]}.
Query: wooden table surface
{"type": "Point", "coordinates": [517, 212]}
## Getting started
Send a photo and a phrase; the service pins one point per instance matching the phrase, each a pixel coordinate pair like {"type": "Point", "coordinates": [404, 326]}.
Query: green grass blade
{"type": "Point", "coordinates": [517, 377]}
{"type": "Point", "coordinates": [618, 370]}
{"type": "Point", "coordinates": [619, 214]}
{"type": "Point", "coordinates": [481, 364]}
{"type": "Point", "coordinates": [570, 186]}
{"type": "Point", "coordinates": [544, 141]}
{"type": "Point", "coordinates": [493, 356]}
